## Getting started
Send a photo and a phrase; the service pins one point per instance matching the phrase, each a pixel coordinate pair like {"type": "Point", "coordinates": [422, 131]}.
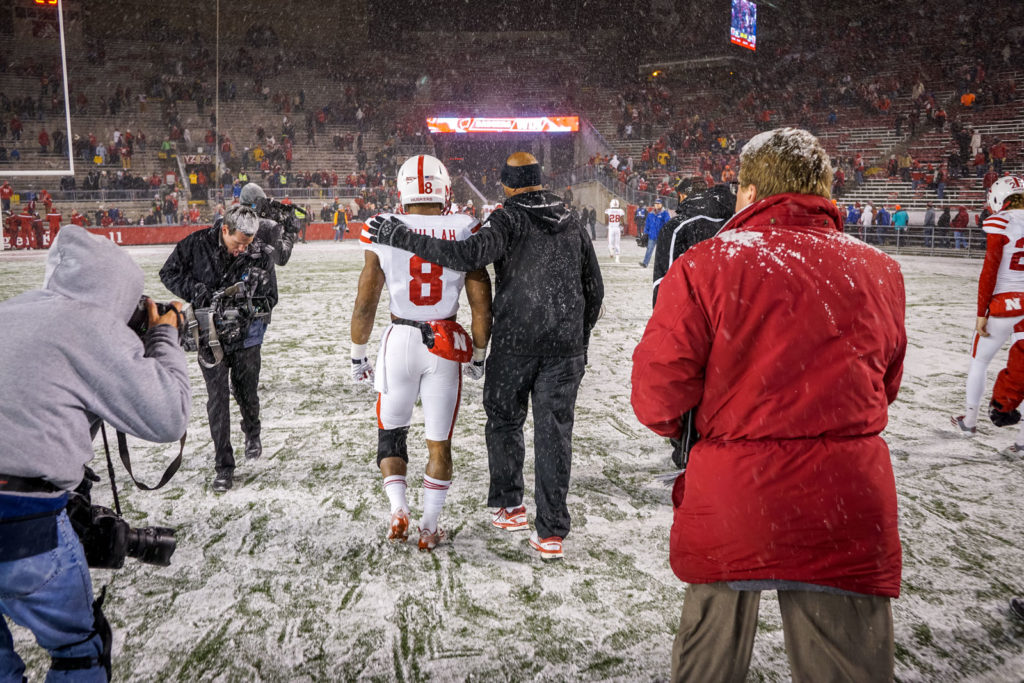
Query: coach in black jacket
{"type": "Point", "coordinates": [701, 214]}
{"type": "Point", "coordinates": [548, 293]}
{"type": "Point", "coordinates": [237, 246]}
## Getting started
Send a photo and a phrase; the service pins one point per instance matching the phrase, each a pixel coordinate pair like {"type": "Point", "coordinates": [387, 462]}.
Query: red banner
{"type": "Point", "coordinates": [157, 234]}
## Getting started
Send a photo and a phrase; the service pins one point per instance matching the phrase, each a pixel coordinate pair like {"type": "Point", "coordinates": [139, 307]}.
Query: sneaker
{"type": "Point", "coordinates": [253, 447]}
{"type": "Point", "coordinates": [429, 539]}
{"type": "Point", "coordinates": [643, 265]}
{"type": "Point", "coordinates": [616, 258]}
{"type": "Point", "coordinates": [399, 529]}
{"type": "Point", "coordinates": [1017, 448]}
{"type": "Point", "coordinates": [964, 429]}
{"type": "Point", "coordinates": [511, 519]}
{"type": "Point", "coordinates": [222, 482]}
{"type": "Point", "coordinates": [1017, 607]}
{"type": "Point", "coordinates": [550, 548]}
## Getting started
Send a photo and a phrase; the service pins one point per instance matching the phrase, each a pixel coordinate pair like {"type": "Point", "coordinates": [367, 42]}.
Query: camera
{"type": "Point", "coordinates": [286, 214]}
{"type": "Point", "coordinates": [226, 320]}
{"type": "Point", "coordinates": [107, 539]}
{"type": "Point", "coordinates": [139, 322]}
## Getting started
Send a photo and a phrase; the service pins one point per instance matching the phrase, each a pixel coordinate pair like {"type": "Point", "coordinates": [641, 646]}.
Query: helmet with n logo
{"type": "Point", "coordinates": [614, 203]}
{"type": "Point", "coordinates": [1002, 190]}
{"type": "Point", "coordinates": [423, 179]}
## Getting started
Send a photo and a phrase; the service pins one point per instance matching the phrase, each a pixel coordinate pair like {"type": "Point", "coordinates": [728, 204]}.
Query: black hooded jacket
{"type": "Point", "coordinates": [698, 218]}
{"type": "Point", "coordinates": [548, 287]}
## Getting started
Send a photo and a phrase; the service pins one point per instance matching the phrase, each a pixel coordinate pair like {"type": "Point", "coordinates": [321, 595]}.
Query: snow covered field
{"type": "Point", "coordinates": [288, 577]}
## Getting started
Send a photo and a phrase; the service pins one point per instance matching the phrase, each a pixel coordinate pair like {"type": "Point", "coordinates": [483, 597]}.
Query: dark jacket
{"type": "Point", "coordinates": [698, 218]}
{"type": "Point", "coordinates": [548, 287]}
{"type": "Point", "coordinates": [200, 265]}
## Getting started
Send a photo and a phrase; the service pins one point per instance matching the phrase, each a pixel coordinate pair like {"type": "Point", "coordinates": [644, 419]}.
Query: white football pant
{"type": "Point", "coordinates": [983, 351]}
{"type": "Point", "coordinates": [405, 370]}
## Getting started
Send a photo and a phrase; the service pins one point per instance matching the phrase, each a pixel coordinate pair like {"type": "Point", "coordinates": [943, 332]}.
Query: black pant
{"type": "Point", "coordinates": [551, 383]}
{"type": "Point", "coordinates": [240, 370]}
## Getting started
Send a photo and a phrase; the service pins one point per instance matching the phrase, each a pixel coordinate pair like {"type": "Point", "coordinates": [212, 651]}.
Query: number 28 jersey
{"type": "Point", "coordinates": [615, 217]}
{"type": "Point", "coordinates": [419, 289]}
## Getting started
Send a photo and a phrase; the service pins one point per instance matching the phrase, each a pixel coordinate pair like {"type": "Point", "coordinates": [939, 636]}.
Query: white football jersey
{"type": "Point", "coordinates": [1009, 223]}
{"type": "Point", "coordinates": [615, 217]}
{"type": "Point", "coordinates": [419, 289]}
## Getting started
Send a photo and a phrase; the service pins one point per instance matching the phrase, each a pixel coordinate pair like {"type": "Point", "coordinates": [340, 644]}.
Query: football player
{"type": "Point", "coordinates": [1000, 296]}
{"type": "Point", "coordinates": [422, 350]}
{"type": "Point", "coordinates": [615, 216]}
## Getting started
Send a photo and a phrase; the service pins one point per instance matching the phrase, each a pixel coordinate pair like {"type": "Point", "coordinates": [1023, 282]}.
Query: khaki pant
{"type": "Point", "coordinates": [828, 637]}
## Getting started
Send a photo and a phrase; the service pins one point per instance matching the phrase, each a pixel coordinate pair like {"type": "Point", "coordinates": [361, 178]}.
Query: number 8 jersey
{"type": "Point", "coordinates": [421, 290]}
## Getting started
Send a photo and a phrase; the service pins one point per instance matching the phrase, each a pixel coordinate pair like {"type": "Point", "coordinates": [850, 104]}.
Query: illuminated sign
{"type": "Point", "coordinates": [743, 30]}
{"type": "Point", "coordinates": [518, 124]}
{"type": "Point", "coordinates": [52, 3]}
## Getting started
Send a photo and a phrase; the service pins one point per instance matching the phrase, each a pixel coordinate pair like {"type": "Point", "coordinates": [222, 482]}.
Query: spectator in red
{"type": "Point", "coordinates": [989, 178]}
{"type": "Point", "coordinates": [44, 141]}
{"type": "Point", "coordinates": [46, 199]}
{"type": "Point", "coordinates": [78, 219]}
{"type": "Point", "coordinates": [6, 192]}
{"type": "Point", "coordinates": [16, 127]}
{"type": "Point", "coordinates": [959, 223]}
{"type": "Point", "coordinates": [998, 155]}
{"type": "Point", "coordinates": [979, 164]}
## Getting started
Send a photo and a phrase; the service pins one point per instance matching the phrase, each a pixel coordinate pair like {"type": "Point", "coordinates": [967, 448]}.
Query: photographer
{"type": "Point", "coordinates": [87, 365]}
{"type": "Point", "coordinates": [278, 223]}
{"type": "Point", "coordinates": [238, 249]}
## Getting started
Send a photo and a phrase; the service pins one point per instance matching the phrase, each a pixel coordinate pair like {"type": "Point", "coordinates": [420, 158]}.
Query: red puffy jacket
{"type": "Point", "coordinates": [789, 336]}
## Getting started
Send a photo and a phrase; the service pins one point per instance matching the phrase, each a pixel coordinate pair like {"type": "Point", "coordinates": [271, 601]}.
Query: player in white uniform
{"type": "Point", "coordinates": [1000, 292]}
{"type": "Point", "coordinates": [424, 301]}
{"type": "Point", "coordinates": [615, 216]}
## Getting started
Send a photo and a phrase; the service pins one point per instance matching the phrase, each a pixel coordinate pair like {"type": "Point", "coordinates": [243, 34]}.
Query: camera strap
{"type": "Point", "coordinates": [122, 449]}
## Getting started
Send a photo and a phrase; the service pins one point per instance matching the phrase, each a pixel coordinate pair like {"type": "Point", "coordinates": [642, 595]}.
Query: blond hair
{"type": "Point", "coordinates": [786, 160]}
{"type": "Point", "coordinates": [1014, 201]}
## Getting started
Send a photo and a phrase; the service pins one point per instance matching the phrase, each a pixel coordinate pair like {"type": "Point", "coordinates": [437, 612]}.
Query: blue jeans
{"type": "Point", "coordinates": [959, 239]}
{"type": "Point", "coordinates": [651, 244]}
{"type": "Point", "coordinates": [51, 595]}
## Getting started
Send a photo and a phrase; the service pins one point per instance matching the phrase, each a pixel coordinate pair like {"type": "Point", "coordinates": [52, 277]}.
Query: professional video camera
{"type": "Point", "coordinates": [227, 319]}
{"type": "Point", "coordinates": [288, 215]}
{"type": "Point", "coordinates": [108, 539]}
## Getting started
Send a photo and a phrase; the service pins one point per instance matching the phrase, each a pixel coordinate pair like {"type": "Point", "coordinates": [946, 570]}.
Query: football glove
{"type": "Point", "coordinates": [362, 371]}
{"type": "Point", "coordinates": [475, 369]}
{"type": "Point", "coordinates": [1002, 418]}
{"type": "Point", "coordinates": [385, 230]}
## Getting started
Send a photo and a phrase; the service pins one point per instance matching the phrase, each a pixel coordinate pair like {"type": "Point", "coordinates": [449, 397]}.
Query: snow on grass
{"type": "Point", "coordinates": [288, 577]}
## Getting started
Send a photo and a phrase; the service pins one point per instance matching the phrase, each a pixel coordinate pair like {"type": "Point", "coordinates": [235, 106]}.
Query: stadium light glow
{"type": "Point", "coordinates": [513, 124]}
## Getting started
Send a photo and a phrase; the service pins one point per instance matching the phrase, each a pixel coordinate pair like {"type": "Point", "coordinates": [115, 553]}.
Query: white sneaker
{"type": "Point", "coordinates": [511, 519]}
{"type": "Point", "coordinates": [616, 258]}
{"type": "Point", "coordinates": [550, 548]}
{"type": "Point", "coordinates": [964, 429]}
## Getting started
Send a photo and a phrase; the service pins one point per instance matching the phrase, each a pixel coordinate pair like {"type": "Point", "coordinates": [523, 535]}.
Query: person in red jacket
{"type": "Point", "coordinates": [788, 338]}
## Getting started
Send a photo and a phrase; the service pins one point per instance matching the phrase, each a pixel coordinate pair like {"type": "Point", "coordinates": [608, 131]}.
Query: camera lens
{"type": "Point", "coordinates": [152, 545]}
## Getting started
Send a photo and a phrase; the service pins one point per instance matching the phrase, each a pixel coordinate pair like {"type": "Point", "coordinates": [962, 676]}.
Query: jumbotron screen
{"type": "Point", "coordinates": [743, 31]}
{"type": "Point", "coordinates": [515, 124]}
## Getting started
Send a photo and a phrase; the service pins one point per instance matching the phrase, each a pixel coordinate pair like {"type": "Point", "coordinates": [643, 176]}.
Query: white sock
{"type": "Point", "coordinates": [394, 486]}
{"type": "Point", "coordinates": [971, 416]}
{"type": "Point", "coordinates": [434, 493]}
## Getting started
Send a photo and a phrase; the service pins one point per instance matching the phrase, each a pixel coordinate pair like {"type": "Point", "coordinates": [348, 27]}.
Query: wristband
{"type": "Point", "coordinates": [479, 354]}
{"type": "Point", "coordinates": [358, 351]}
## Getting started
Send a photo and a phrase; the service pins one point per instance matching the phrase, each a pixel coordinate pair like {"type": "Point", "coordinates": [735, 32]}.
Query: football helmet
{"type": "Point", "coordinates": [1001, 191]}
{"type": "Point", "coordinates": [614, 203]}
{"type": "Point", "coordinates": [423, 179]}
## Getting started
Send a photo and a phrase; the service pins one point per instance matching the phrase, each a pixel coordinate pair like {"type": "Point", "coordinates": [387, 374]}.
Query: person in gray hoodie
{"type": "Point", "coordinates": [86, 366]}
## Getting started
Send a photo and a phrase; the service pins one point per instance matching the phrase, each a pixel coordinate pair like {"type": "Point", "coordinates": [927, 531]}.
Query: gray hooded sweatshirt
{"type": "Point", "coordinates": [69, 360]}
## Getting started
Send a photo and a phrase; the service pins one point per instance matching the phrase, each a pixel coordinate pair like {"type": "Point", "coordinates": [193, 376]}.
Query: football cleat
{"type": "Point", "coordinates": [511, 519]}
{"type": "Point", "coordinates": [964, 429]}
{"type": "Point", "coordinates": [550, 548]}
{"type": "Point", "coordinates": [399, 530]}
{"type": "Point", "coordinates": [1017, 448]}
{"type": "Point", "coordinates": [1017, 607]}
{"type": "Point", "coordinates": [429, 539]}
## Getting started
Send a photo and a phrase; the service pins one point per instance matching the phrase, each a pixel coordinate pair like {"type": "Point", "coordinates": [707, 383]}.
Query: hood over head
{"type": "Point", "coordinates": [547, 208]}
{"type": "Point", "coordinates": [92, 269]}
